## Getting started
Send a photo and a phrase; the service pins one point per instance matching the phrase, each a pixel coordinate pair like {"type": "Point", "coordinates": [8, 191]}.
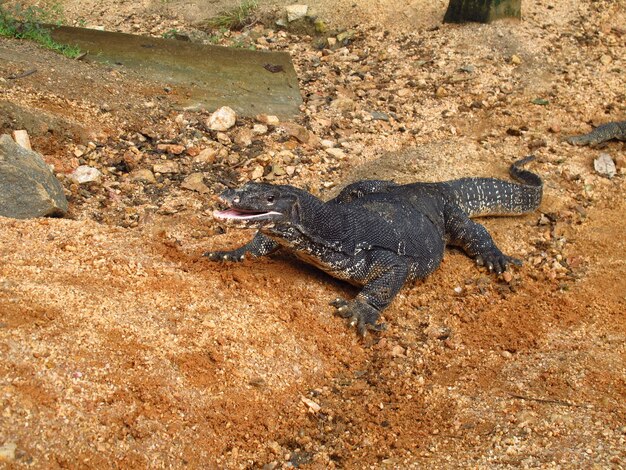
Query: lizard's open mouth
{"type": "Point", "coordinates": [242, 214]}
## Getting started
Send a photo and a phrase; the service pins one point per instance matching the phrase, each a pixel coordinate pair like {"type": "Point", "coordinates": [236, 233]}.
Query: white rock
{"type": "Point", "coordinates": [335, 152]}
{"type": "Point", "coordinates": [296, 12]}
{"type": "Point", "coordinates": [21, 138]}
{"type": "Point", "coordinates": [259, 129]}
{"type": "Point", "coordinates": [311, 405]}
{"type": "Point", "coordinates": [86, 174]}
{"type": "Point", "coordinates": [7, 452]}
{"type": "Point", "coordinates": [605, 165]}
{"type": "Point", "coordinates": [167, 166]}
{"type": "Point", "coordinates": [222, 119]}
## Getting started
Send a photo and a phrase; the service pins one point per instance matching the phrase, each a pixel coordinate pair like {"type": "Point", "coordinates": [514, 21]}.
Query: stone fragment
{"type": "Point", "coordinates": [620, 163]}
{"type": "Point", "coordinates": [259, 129]}
{"type": "Point", "coordinates": [343, 104]}
{"type": "Point", "coordinates": [278, 170]}
{"type": "Point", "coordinates": [244, 137]}
{"type": "Point", "coordinates": [540, 101]}
{"type": "Point", "coordinates": [379, 116]}
{"type": "Point", "coordinates": [441, 92]}
{"type": "Point", "coordinates": [233, 158]}
{"type": "Point", "coordinates": [515, 59]}
{"type": "Point", "coordinates": [195, 182]}
{"type": "Point", "coordinates": [222, 119]}
{"type": "Point", "coordinates": [335, 152]}
{"type": "Point", "coordinates": [193, 151]}
{"type": "Point", "coordinates": [606, 59]}
{"type": "Point", "coordinates": [300, 133]}
{"type": "Point", "coordinates": [257, 172]}
{"type": "Point", "coordinates": [143, 175]}
{"type": "Point", "coordinates": [208, 155]}
{"type": "Point", "coordinates": [223, 138]}
{"type": "Point", "coordinates": [268, 119]}
{"type": "Point", "coordinates": [173, 149]}
{"type": "Point", "coordinates": [85, 174]}
{"type": "Point", "coordinates": [7, 452]}
{"type": "Point", "coordinates": [27, 186]}
{"type": "Point", "coordinates": [166, 167]}
{"type": "Point", "coordinates": [605, 165]}
{"type": "Point", "coordinates": [296, 12]}
{"type": "Point", "coordinates": [22, 139]}
{"type": "Point", "coordinates": [311, 405]}
{"type": "Point", "coordinates": [345, 37]}
{"type": "Point", "coordinates": [285, 156]}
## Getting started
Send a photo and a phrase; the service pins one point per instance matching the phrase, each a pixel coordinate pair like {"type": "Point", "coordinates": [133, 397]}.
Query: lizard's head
{"type": "Point", "coordinates": [259, 204]}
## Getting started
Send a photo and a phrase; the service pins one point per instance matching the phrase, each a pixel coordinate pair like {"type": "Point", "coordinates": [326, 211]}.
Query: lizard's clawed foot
{"type": "Point", "coordinates": [234, 255]}
{"type": "Point", "coordinates": [496, 261]}
{"type": "Point", "coordinates": [359, 314]}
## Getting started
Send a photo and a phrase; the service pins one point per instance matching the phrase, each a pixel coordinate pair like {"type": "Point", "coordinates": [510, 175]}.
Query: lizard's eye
{"type": "Point", "coordinates": [270, 199]}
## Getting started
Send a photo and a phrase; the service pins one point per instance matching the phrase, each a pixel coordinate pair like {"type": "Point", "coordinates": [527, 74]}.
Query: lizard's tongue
{"type": "Point", "coordinates": [239, 214]}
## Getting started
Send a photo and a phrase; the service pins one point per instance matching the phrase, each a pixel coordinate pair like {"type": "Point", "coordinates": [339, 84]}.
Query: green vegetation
{"type": "Point", "coordinates": [236, 18]}
{"type": "Point", "coordinates": [26, 23]}
{"type": "Point", "coordinates": [170, 34]}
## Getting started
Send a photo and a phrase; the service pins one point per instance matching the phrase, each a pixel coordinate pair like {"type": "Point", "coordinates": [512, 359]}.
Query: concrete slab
{"type": "Point", "coordinates": [203, 76]}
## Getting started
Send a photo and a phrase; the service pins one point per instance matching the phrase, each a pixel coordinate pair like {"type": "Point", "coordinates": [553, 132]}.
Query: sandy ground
{"type": "Point", "coordinates": [121, 347]}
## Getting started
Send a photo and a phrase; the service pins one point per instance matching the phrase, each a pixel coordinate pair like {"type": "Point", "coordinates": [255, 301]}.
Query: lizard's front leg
{"type": "Point", "coordinates": [385, 276]}
{"type": "Point", "coordinates": [260, 245]}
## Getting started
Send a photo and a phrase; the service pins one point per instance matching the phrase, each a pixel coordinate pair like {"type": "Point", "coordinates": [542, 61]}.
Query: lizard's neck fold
{"type": "Point", "coordinates": [312, 219]}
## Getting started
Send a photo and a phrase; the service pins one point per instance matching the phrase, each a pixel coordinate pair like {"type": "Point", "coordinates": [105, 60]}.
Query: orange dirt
{"type": "Point", "coordinates": [121, 347]}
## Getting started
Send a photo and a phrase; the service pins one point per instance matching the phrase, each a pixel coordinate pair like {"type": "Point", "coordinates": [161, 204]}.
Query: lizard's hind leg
{"type": "Point", "coordinates": [476, 241]}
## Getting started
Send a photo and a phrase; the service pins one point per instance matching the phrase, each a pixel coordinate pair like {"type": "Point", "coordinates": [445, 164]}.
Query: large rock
{"type": "Point", "coordinates": [296, 12]}
{"type": "Point", "coordinates": [27, 186]}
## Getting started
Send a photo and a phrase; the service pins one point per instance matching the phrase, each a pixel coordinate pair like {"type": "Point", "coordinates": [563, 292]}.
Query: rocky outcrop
{"type": "Point", "coordinates": [27, 186]}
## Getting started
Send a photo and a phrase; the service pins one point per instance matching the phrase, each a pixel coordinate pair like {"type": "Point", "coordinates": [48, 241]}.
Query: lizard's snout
{"type": "Point", "coordinates": [229, 197]}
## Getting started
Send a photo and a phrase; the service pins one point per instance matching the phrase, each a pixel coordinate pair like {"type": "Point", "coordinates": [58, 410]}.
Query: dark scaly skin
{"type": "Point", "coordinates": [601, 134]}
{"type": "Point", "coordinates": [378, 234]}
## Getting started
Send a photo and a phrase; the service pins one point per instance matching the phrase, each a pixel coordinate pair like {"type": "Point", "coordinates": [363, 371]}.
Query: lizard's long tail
{"type": "Point", "coordinates": [491, 196]}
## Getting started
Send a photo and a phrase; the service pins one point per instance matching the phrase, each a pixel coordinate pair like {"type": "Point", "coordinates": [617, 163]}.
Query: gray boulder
{"type": "Point", "coordinates": [27, 186]}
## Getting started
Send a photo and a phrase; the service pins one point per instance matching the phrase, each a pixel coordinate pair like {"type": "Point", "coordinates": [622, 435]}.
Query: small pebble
{"type": "Point", "coordinates": [85, 174]}
{"type": "Point", "coordinates": [222, 119]}
{"type": "Point", "coordinates": [605, 165]}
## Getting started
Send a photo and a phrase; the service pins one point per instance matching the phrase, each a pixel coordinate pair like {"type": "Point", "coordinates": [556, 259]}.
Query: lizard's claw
{"type": "Point", "coordinates": [359, 314]}
{"type": "Point", "coordinates": [234, 255]}
{"type": "Point", "coordinates": [496, 261]}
